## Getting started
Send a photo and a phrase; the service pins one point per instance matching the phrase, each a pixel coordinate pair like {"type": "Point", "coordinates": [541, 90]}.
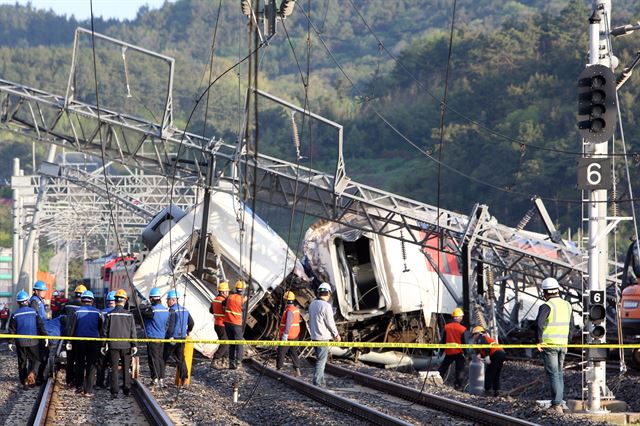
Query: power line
{"type": "Point", "coordinates": [462, 115]}
{"type": "Point", "coordinates": [426, 154]}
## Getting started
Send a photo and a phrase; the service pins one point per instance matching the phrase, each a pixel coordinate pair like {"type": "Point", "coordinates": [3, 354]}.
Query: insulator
{"type": "Point", "coordinates": [525, 220]}
{"type": "Point", "coordinates": [490, 283]}
{"type": "Point", "coordinates": [294, 129]}
{"type": "Point", "coordinates": [614, 203]}
{"type": "Point", "coordinates": [403, 251]}
{"type": "Point", "coordinates": [479, 316]}
{"type": "Point", "coordinates": [286, 7]}
{"type": "Point", "coordinates": [246, 7]}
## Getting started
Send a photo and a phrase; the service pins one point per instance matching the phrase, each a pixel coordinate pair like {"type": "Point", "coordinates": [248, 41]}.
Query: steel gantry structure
{"type": "Point", "coordinates": [79, 212]}
{"type": "Point", "coordinates": [524, 257]}
{"type": "Point", "coordinates": [76, 202]}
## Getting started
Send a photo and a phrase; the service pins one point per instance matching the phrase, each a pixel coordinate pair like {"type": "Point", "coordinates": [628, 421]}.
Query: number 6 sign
{"type": "Point", "coordinates": [594, 173]}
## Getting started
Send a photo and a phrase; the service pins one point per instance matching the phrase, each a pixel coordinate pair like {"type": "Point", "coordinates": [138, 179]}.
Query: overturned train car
{"type": "Point", "coordinates": [173, 238]}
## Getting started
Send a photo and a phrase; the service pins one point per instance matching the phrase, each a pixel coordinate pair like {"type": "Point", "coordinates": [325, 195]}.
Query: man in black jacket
{"type": "Point", "coordinates": [71, 306]}
{"type": "Point", "coordinates": [120, 324]}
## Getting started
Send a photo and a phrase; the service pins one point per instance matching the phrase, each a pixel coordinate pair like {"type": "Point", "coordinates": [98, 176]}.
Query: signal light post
{"type": "Point", "coordinates": [597, 120]}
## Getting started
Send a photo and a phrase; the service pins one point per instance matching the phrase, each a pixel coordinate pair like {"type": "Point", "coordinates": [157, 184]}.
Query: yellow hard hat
{"type": "Point", "coordinates": [477, 329]}
{"type": "Point", "coordinates": [80, 289]}
{"type": "Point", "coordinates": [240, 285]}
{"type": "Point", "coordinates": [121, 294]}
{"type": "Point", "coordinates": [457, 312]}
{"type": "Point", "coordinates": [223, 286]}
{"type": "Point", "coordinates": [289, 295]}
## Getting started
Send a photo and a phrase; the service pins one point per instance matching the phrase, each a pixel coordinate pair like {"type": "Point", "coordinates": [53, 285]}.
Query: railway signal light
{"type": "Point", "coordinates": [597, 110]}
{"type": "Point", "coordinates": [597, 314]}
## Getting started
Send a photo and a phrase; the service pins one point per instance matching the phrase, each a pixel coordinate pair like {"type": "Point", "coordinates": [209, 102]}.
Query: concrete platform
{"type": "Point", "coordinates": [615, 412]}
{"type": "Point", "coordinates": [613, 418]}
{"type": "Point", "coordinates": [612, 405]}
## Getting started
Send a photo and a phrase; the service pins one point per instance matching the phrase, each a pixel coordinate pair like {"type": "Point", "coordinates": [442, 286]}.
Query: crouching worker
{"type": "Point", "coordinates": [493, 359]}
{"type": "Point", "coordinates": [26, 321]}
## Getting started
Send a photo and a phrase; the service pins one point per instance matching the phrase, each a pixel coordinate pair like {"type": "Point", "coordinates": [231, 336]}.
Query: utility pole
{"type": "Point", "coordinates": [33, 232]}
{"type": "Point", "coordinates": [15, 272]}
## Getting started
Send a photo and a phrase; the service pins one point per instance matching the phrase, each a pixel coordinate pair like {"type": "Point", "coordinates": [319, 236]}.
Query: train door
{"type": "Point", "coordinates": [358, 269]}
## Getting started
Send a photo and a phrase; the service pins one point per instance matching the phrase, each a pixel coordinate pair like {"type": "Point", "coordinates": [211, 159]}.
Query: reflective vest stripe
{"type": "Point", "coordinates": [294, 326]}
{"type": "Point", "coordinates": [233, 312]}
{"type": "Point", "coordinates": [556, 330]}
{"type": "Point", "coordinates": [218, 310]}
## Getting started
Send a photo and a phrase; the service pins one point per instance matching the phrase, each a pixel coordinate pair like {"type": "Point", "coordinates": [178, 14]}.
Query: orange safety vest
{"type": "Point", "coordinates": [494, 346]}
{"type": "Point", "coordinates": [218, 310]}
{"type": "Point", "coordinates": [453, 334]}
{"type": "Point", "coordinates": [233, 313]}
{"type": "Point", "coordinates": [294, 328]}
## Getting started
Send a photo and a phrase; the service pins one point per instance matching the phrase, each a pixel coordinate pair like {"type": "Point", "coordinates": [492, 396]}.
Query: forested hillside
{"type": "Point", "coordinates": [511, 88]}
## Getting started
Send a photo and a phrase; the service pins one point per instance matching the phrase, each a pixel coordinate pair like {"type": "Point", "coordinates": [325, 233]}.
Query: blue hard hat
{"type": "Point", "coordinates": [87, 294]}
{"type": "Point", "coordinates": [22, 296]}
{"type": "Point", "coordinates": [173, 294]}
{"type": "Point", "coordinates": [111, 296]}
{"type": "Point", "coordinates": [40, 285]}
{"type": "Point", "coordinates": [155, 292]}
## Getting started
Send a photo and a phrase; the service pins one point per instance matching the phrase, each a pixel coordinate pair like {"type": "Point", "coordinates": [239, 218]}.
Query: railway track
{"type": "Point", "coordinates": [328, 398]}
{"type": "Point", "coordinates": [455, 408]}
{"type": "Point", "coordinates": [58, 405]}
{"type": "Point", "coordinates": [370, 392]}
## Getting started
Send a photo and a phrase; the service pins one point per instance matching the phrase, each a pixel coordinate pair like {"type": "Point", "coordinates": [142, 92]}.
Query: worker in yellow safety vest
{"type": "Point", "coordinates": [553, 328]}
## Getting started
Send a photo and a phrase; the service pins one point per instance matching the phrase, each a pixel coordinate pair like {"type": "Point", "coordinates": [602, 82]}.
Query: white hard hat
{"type": "Point", "coordinates": [550, 284]}
{"type": "Point", "coordinates": [324, 287]}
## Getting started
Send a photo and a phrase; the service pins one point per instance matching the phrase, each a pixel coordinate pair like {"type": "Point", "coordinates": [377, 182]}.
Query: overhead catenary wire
{"type": "Point", "coordinates": [461, 114]}
{"type": "Point", "coordinates": [104, 167]}
{"type": "Point", "coordinates": [429, 156]}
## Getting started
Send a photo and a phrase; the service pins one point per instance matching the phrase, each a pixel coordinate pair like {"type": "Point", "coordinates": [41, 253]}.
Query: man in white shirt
{"type": "Point", "coordinates": [322, 327]}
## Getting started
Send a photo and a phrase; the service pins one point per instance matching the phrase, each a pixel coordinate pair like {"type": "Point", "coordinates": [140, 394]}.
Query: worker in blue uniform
{"type": "Point", "coordinates": [86, 322]}
{"type": "Point", "coordinates": [37, 302]}
{"type": "Point", "coordinates": [69, 309]}
{"type": "Point", "coordinates": [157, 320]}
{"type": "Point", "coordinates": [25, 321]}
{"type": "Point", "coordinates": [180, 327]}
{"type": "Point", "coordinates": [101, 363]}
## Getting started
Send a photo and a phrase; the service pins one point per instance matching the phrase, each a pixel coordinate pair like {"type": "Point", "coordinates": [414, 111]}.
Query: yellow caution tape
{"type": "Point", "coordinates": [378, 345]}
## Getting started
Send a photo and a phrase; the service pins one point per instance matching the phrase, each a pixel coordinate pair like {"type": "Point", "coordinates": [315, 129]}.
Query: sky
{"type": "Point", "coordinates": [119, 9]}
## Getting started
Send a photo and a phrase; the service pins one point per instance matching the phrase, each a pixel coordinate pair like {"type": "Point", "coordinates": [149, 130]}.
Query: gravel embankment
{"type": "Point", "coordinates": [262, 400]}
{"type": "Point", "coordinates": [15, 402]}
{"type": "Point", "coordinates": [524, 406]}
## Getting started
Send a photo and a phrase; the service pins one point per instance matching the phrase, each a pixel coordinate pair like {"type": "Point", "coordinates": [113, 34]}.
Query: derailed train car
{"type": "Point", "coordinates": [173, 238]}
{"type": "Point", "coordinates": [384, 289]}
{"type": "Point", "coordinates": [388, 290]}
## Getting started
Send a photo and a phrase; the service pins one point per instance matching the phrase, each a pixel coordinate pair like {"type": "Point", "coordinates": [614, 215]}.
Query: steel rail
{"type": "Point", "coordinates": [145, 400]}
{"type": "Point", "coordinates": [439, 403]}
{"type": "Point", "coordinates": [329, 399]}
{"type": "Point", "coordinates": [41, 407]}
{"type": "Point", "coordinates": [149, 405]}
